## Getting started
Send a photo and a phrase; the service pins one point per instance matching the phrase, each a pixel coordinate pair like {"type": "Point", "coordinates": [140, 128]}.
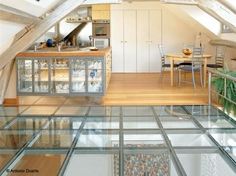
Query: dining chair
{"type": "Point", "coordinates": [196, 66]}
{"type": "Point", "coordinates": [163, 59]}
{"type": "Point", "coordinates": [219, 58]}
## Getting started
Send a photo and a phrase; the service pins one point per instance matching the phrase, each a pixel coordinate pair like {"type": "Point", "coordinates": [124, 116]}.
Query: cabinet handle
{"type": "Point", "coordinates": [121, 41]}
{"type": "Point", "coordinates": [125, 41]}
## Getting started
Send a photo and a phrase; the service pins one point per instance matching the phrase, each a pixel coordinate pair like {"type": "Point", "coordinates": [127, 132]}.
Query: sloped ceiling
{"type": "Point", "coordinates": [33, 7]}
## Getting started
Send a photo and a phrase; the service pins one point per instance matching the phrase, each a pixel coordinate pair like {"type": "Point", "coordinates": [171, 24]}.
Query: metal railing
{"type": "Point", "coordinates": [223, 76]}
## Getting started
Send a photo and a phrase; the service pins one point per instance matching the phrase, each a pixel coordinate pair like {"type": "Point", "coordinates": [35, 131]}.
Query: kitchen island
{"type": "Point", "coordinates": [68, 72]}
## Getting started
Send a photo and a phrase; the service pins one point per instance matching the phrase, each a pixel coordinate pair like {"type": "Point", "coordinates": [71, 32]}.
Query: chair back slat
{"type": "Point", "coordinates": [162, 54]}
{"type": "Point", "coordinates": [220, 54]}
{"type": "Point", "coordinates": [197, 57]}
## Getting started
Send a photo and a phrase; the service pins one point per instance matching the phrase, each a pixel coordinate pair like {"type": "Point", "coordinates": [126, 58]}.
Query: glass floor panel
{"type": "Point", "coordinates": [37, 164]}
{"type": "Point", "coordinates": [102, 123]}
{"type": "Point", "coordinates": [94, 139]}
{"type": "Point", "coordinates": [148, 163]}
{"type": "Point", "coordinates": [143, 122]}
{"type": "Point", "coordinates": [28, 123]}
{"type": "Point", "coordinates": [55, 139]}
{"type": "Point", "coordinates": [207, 164]}
{"type": "Point", "coordinates": [225, 137]}
{"type": "Point", "coordinates": [4, 121]}
{"type": "Point", "coordinates": [196, 140]}
{"type": "Point", "coordinates": [215, 122]}
{"type": "Point", "coordinates": [100, 164]}
{"type": "Point", "coordinates": [117, 140]}
{"type": "Point", "coordinates": [72, 111]}
{"type": "Point", "coordinates": [177, 122]}
{"type": "Point", "coordinates": [65, 123]}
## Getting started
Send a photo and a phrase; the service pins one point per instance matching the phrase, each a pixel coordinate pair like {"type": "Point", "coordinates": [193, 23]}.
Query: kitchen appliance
{"type": "Point", "coordinates": [101, 28]}
{"type": "Point", "coordinates": [101, 42]}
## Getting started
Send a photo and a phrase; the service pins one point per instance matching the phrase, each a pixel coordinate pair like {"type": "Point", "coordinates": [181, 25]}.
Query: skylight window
{"type": "Point", "coordinates": [220, 10]}
{"type": "Point", "coordinates": [180, 1]}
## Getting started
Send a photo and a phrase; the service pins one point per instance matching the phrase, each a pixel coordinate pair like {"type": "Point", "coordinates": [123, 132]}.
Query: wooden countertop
{"type": "Point", "coordinates": [64, 53]}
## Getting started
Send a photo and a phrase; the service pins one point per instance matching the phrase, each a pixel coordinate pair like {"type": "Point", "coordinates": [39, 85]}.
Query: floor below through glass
{"type": "Point", "coordinates": [117, 141]}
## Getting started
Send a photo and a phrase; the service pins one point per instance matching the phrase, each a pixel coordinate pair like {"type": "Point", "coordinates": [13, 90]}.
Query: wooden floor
{"type": "Point", "coordinates": [135, 89]}
{"type": "Point", "coordinates": [150, 89]}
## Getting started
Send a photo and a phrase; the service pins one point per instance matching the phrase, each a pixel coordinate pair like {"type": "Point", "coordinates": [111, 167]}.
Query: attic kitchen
{"type": "Point", "coordinates": [73, 58]}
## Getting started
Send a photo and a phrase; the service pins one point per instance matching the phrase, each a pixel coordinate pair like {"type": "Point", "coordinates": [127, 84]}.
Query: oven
{"type": "Point", "coordinates": [101, 28]}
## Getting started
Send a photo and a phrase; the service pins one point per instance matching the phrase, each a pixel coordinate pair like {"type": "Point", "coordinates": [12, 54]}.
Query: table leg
{"type": "Point", "coordinates": [172, 72]}
{"type": "Point", "coordinates": [205, 72]}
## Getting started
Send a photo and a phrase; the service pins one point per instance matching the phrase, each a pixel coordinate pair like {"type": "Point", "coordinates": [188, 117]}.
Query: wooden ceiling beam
{"type": "Point", "coordinates": [38, 30]}
{"type": "Point", "coordinates": [8, 16]}
{"type": "Point", "coordinates": [12, 10]}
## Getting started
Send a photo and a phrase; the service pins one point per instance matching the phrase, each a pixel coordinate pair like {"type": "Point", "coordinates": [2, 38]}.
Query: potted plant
{"type": "Point", "coordinates": [218, 83]}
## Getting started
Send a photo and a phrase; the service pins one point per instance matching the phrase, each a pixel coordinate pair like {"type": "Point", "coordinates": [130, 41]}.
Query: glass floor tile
{"type": "Point", "coordinates": [207, 164]}
{"type": "Point", "coordinates": [117, 141]}
{"type": "Point", "coordinates": [187, 139]}
{"type": "Point", "coordinates": [55, 139]}
{"type": "Point", "coordinates": [4, 121]}
{"type": "Point", "coordinates": [177, 122]}
{"type": "Point", "coordinates": [137, 122]}
{"type": "Point", "coordinates": [148, 163]}
{"type": "Point", "coordinates": [225, 137]}
{"type": "Point", "coordinates": [72, 111]}
{"type": "Point", "coordinates": [98, 139]}
{"type": "Point", "coordinates": [203, 110]}
{"type": "Point", "coordinates": [65, 123]}
{"type": "Point", "coordinates": [214, 122]}
{"type": "Point", "coordinates": [34, 123]}
{"type": "Point", "coordinates": [101, 164]}
{"type": "Point", "coordinates": [102, 123]}
{"type": "Point", "coordinates": [31, 164]}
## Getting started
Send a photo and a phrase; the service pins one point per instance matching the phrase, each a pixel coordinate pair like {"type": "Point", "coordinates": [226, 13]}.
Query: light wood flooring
{"type": "Point", "coordinates": [135, 89]}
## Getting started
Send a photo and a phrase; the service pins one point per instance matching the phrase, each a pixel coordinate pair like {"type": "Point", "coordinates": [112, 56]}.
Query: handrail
{"type": "Point", "coordinates": [225, 77]}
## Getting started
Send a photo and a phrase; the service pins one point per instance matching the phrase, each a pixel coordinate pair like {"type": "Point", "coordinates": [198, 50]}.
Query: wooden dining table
{"type": "Point", "coordinates": [184, 58]}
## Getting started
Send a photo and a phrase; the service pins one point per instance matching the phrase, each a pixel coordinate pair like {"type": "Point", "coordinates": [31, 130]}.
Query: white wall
{"type": "Point", "coordinates": [7, 33]}
{"type": "Point", "coordinates": [179, 28]}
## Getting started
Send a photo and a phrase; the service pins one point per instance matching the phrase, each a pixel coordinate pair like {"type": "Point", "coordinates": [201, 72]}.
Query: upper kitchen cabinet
{"type": "Point", "coordinates": [101, 12]}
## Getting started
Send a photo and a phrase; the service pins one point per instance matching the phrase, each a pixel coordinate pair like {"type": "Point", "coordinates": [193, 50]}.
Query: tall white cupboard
{"type": "Point", "coordinates": [135, 35]}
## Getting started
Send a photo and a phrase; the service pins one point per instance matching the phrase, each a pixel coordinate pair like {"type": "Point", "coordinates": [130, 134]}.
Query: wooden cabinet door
{"type": "Point", "coordinates": [130, 60]}
{"type": "Point", "coordinates": [143, 41]}
{"type": "Point", "coordinates": [117, 41]}
{"type": "Point", "coordinates": [155, 38]}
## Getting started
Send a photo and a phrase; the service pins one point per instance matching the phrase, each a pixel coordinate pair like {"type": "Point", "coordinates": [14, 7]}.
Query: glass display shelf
{"type": "Point", "coordinates": [85, 76]}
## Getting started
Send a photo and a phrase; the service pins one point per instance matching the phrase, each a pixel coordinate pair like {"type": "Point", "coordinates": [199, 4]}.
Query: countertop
{"type": "Point", "coordinates": [47, 52]}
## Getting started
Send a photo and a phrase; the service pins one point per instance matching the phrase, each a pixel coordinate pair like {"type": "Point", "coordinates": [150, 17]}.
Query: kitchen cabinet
{"type": "Point", "coordinates": [101, 12]}
{"type": "Point", "coordinates": [135, 35]}
{"type": "Point", "coordinates": [80, 75]}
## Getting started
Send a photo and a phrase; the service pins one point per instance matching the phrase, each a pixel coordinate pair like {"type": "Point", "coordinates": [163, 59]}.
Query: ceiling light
{"type": "Point", "coordinates": [190, 2]}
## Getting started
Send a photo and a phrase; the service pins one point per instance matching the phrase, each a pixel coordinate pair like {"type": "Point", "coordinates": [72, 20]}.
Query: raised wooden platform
{"type": "Point", "coordinates": [134, 89]}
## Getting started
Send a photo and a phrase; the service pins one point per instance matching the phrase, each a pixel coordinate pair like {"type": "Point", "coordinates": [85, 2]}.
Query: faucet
{"type": "Point", "coordinates": [59, 47]}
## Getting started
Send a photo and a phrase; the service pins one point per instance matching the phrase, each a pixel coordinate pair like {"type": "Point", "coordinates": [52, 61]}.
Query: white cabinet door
{"type": "Point", "coordinates": [155, 37]}
{"type": "Point", "coordinates": [130, 60]}
{"type": "Point", "coordinates": [117, 41]}
{"type": "Point", "coordinates": [143, 41]}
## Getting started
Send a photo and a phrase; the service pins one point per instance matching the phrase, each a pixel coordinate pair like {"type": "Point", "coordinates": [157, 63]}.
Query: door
{"type": "Point", "coordinates": [130, 43]}
{"type": "Point", "coordinates": [155, 39]}
{"type": "Point", "coordinates": [117, 41]}
{"type": "Point", "coordinates": [143, 41]}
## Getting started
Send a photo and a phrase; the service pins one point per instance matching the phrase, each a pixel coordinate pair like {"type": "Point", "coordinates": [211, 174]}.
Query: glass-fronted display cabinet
{"type": "Point", "coordinates": [41, 76]}
{"type": "Point", "coordinates": [59, 68]}
{"type": "Point", "coordinates": [67, 75]}
{"type": "Point", "coordinates": [25, 72]}
{"type": "Point", "coordinates": [78, 76]}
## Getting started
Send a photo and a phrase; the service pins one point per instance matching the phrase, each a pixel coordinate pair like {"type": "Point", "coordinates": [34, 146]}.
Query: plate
{"type": "Point", "coordinates": [93, 49]}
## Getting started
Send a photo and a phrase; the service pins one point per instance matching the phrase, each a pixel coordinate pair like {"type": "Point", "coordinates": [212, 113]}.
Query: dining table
{"type": "Point", "coordinates": [186, 58]}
